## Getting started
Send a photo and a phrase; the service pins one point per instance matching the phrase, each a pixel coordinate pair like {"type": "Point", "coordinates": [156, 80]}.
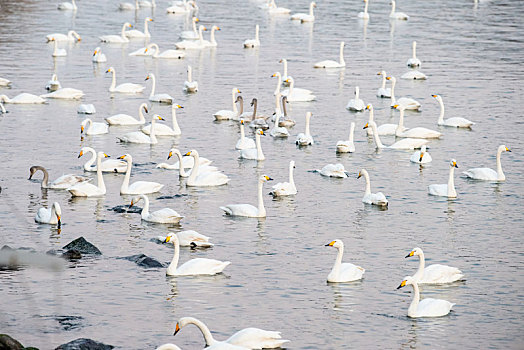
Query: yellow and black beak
{"type": "Point", "coordinates": [188, 153]}
{"type": "Point", "coordinates": [402, 284]}
{"type": "Point", "coordinates": [147, 78]}
{"type": "Point", "coordinates": [108, 71]}
{"type": "Point", "coordinates": [177, 329]}
{"type": "Point", "coordinates": [179, 106]}
{"type": "Point", "coordinates": [421, 156]}
{"type": "Point", "coordinates": [455, 164]}
{"type": "Point", "coordinates": [80, 154]}
{"type": "Point", "coordinates": [170, 155]}
{"type": "Point", "coordinates": [330, 244]}
{"type": "Point", "coordinates": [95, 52]}
{"type": "Point", "coordinates": [411, 253]}
{"type": "Point", "coordinates": [81, 129]}
{"type": "Point", "coordinates": [388, 78]}
{"type": "Point", "coordinates": [366, 126]}
{"type": "Point", "coordinates": [359, 175]}
{"type": "Point", "coordinates": [59, 222]}
{"type": "Point", "coordinates": [508, 150]}
{"type": "Point", "coordinates": [130, 205]}
{"type": "Point", "coordinates": [434, 96]}
{"type": "Point", "coordinates": [368, 107]}
{"type": "Point", "coordinates": [160, 118]}
{"type": "Point", "coordinates": [122, 157]}
{"type": "Point", "coordinates": [239, 92]}
{"type": "Point", "coordinates": [268, 178]}
{"type": "Point", "coordinates": [395, 106]}
{"type": "Point", "coordinates": [168, 238]}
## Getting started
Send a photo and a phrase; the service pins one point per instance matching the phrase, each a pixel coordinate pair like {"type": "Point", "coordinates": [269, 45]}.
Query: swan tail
{"type": "Point", "coordinates": [227, 210]}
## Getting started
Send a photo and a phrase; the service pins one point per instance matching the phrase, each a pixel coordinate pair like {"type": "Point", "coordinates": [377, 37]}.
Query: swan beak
{"type": "Point", "coordinates": [508, 150]}
{"type": "Point", "coordinates": [268, 178]}
{"type": "Point", "coordinates": [330, 244]}
{"type": "Point", "coordinates": [434, 96]}
{"type": "Point", "coordinates": [368, 107]}
{"type": "Point", "coordinates": [170, 155]}
{"type": "Point", "coordinates": [80, 154]}
{"type": "Point", "coordinates": [122, 157]}
{"type": "Point", "coordinates": [218, 28]}
{"type": "Point", "coordinates": [197, 20]}
{"type": "Point", "coordinates": [145, 109]}
{"type": "Point", "coordinates": [262, 132]}
{"type": "Point", "coordinates": [109, 70]}
{"type": "Point", "coordinates": [421, 155]}
{"type": "Point", "coordinates": [242, 121]}
{"type": "Point", "coordinates": [130, 205]}
{"type": "Point", "coordinates": [239, 92]}
{"type": "Point", "coordinates": [273, 75]}
{"type": "Point", "coordinates": [79, 39]}
{"type": "Point", "coordinates": [388, 78]}
{"type": "Point", "coordinates": [395, 106]}
{"type": "Point", "coordinates": [177, 328]}
{"type": "Point", "coordinates": [379, 73]}
{"type": "Point", "coordinates": [160, 118]}
{"type": "Point", "coordinates": [409, 255]}
{"type": "Point", "coordinates": [147, 78]}
{"type": "Point", "coordinates": [359, 175]}
{"type": "Point", "coordinates": [179, 106]}
{"type": "Point", "coordinates": [145, 50]}
{"type": "Point", "coordinates": [95, 52]}
{"type": "Point", "coordinates": [81, 128]}
{"type": "Point", "coordinates": [106, 155]}
{"type": "Point", "coordinates": [455, 164]}
{"type": "Point", "coordinates": [59, 222]}
{"type": "Point", "coordinates": [188, 153]}
{"type": "Point", "coordinates": [402, 284]}
{"type": "Point", "coordinates": [168, 238]}
{"type": "Point", "coordinates": [366, 126]}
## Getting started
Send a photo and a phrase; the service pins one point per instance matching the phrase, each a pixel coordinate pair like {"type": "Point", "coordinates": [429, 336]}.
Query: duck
{"type": "Point", "coordinates": [204, 167]}
{"type": "Point", "coordinates": [190, 238]}
{"type": "Point", "coordinates": [397, 15]}
{"type": "Point", "coordinates": [356, 104]}
{"type": "Point", "coordinates": [23, 98]}
{"type": "Point", "coordinates": [364, 15]}
{"type": "Point", "coordinates": [445, 190]}
{"type": "Point", "coordinates": [140, 137]}
{"type": "Point", "coordinates": [191, 34]}
{"type": "Point", "coordinates": [305, 17]}
{"type": "Point", "coordinates": [248, 210]}
{"type": "Point", "coordinates": [383, 91]}
{"type": "Point", "coordinates": [98, 56]}
{"type": "Point", "coordinates": [254, 153]}
{"type": "Point", "coordinates": [136, 34]}
{"type": "Point", "coordinates": [188, 162]}
{"type": "Point", "coordinates": [107, 166]}
{"type": "Point", "coordinates": [305, 139]}
{"type": "Point", "coordinates": [126, 88]}
{"type": "Point", "coordinates": [137, 187]}
{"type": "Point", "coordinates": [204, 179]}
{"type": "Point", "coordinates": [414, 75]}
{"type": "Point", "coordinates": [85, 189]}
{"type": "Point", "coordinates": [117, 39]}
{"type": "Point", "coordinates": [487, 174]}
{"type": "Point", "coordinates": [61, 183]}
{"type": "Point", "coordinates": [126, 119]}
{"type": "Point", "coordinates": [57, 52]}
{"type": "Point", "coordinates": [193, 44]}
{"type": "Point", "coordinates": [282, 189]}
{"type": "Point", "coordinates": [162, 216]}
{"type": "Point", "coordinates": [421, 156]}
{"type": "Point", "coordinates": [433, 274]}
{"type": "Point", "coordinates": [160, 98]}
{"type": "Point", "coordinates": [189, 84]}
{"type": "Point", "coordinates": [333, 170]}
{"type": "Point", "coordinates": [428, 307]}
{"type": "Point", "coordinates": [347, 146]}
{"type": "Point", "coordinates": [331, 63]}
{"type": "Point", "coordinates": [343, 272]}
{"type": "Point", "coordinates": [252, 43]}
{"type": "Point", "coordinates": [50, 216]}
{"type": "Point", "coordinates": [244, 142]}
{"type": "Point", "coordinates": [372, 198]}
{"type": "Point", "coordinates": [71, 36]}
{"type": "Point", "coordinates": [226, 114]}
{"type": "Point", "coordinates": [416, 133]}
{"type": "Point", "coordinates": [455, 122]}
{"type": "Point", "coordinates": [53, 84]}
{"type": "Point", "coordinates": [65, 94]}
{"type": "Point", "coordinates": [164, 130]}
{"type": "Point", "coordinates": [64, 6]}
{"type": "Point", "coordinates": [406, 143]}
{"type": "Point", "coordinates": [414, 62]}
{"type": "Point", "coordinates": [383, 129]}
{"type": "Point", "coordinates": [407, 102]}
{"type": "Point", "coordinates": [198, 266]}
{"type": "Point", "coordinates": [88, 108]}
{"type": "Point", "coordinates": [93, 128]}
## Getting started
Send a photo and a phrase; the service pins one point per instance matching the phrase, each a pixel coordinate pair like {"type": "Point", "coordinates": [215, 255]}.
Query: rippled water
{"type": "Point", "coordinates": [472, 54]}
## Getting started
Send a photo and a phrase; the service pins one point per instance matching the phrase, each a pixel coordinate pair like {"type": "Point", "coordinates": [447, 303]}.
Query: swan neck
{"type": "Point", "coordinates": [213, 36]}
{"type": "Point", "coordinates": [194, 27]}
{"type": "Point", "coordinates": [233, 98]}
{"type": "Point", "coordinates": [441, 116]}
{"type": "Point", "coordinates": [421, 265]}
{"type": "Point", "coordinates": [414, 50]}
{"type": "Point", "coordinates": [157, 50]}
{"type": "Point", "coordinates": [196, 165]}
{"type": "Point", "coordinates": [393, 99]}
{"type": "Point", "coordinates": [99, 178]}
{"type": "Point", "coordinates": [384, 81]}
{"type": "Point", "coordinates": [351, 132]}
{"type": "Point", "coordinates": [285, 68]}
{"type": "Point", "coordinates": [392, 8]}
{"type": "Point", "coordinates": [189, 74]}
{"type": "Point", "coordinates": [277, 90]}
{"type": "Point", "coordinates": [307, 125]}
{"type": "Point", "coordinates": [127, 177]}
{"type": "Point", "coordinates": [368, 183]}
{"type": "Point", "coordinates": [451, 183]}
{"type": "Point", "coordinates": [174, 262]}
{"type": "Point", "coordinates": [311, 8]}
{"type": "Point", "coordinates": [414, 302]}
{"type": "Point", "coordinates": [141, 114]}
{"type": "Point", "coordinates": [176, 127]}
{"type": "Point", "coordinates": [239, 112]}
{"type": "Point", "coordinates": [242, 132]}
{"type": "Point", "coordinates": [181, 169]}
{"type": "Point", "coordinates": [205, 331]}
{"type": "Point", "coordinates": [338, 261]}
{"type": "Point", "coordinates": [255, 109]}
{"type": "Point", "coordinates": [113, 80]}
{"type": "Point", "coordinates": [261, 208]}
{"type": "Point", "coordinates": [342, 62]}
{"type": "Point", "coordinates": [284, 108]}
{"type": "Point", "coordinates": [291, 178]}
{"type": "Point", "coordinates": [153, 85]}
{"type": "Point", "coordinates": [146, 27]}
{"type": "Point", "coordinates": [88, 165]}
{"type": "Point", "coordinates": [45, 180]}
{"type": "Point", "coordinates": [123, 33]}
{"type": "Point", "coordinates": [145, 210]}
{"type": "Point", "coordinates": [260, 155]}
{"type": "Point", "coordinates": [500, 173]}
{"type": "Point", "coordinates": [378, 142]}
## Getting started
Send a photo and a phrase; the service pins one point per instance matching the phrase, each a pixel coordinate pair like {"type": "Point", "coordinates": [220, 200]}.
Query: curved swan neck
{"type": "Point", "coordinates": [258, 142]}
{"type": "Point", "coordinates": [176, 127]}
{"type": "Point", "coordinates": [181, 169]}
{"type": "Point", "coordinates": [127, 177]}
{"type": "Point", "coordinates": [261, 208]}
{"type": "Point", "coordinates": [368, 182]}
{"type": "Point", "coordinates": [140, 112]}
{"type": "Point", "coordinates": [378, 142]}
{"type": "Point", "coordinates": [500, 173]}
{"type": "Point", "coordinates": [145, 210]}
{"type": "Point", "coordinates": [99, 178]}
{"type": "Point", "coordinates": [366, 7]}
{"type": "Point", "coordinates": [123, 33]}
{"type": "Point", "coordinates": [451, 183]}
{"type": "Point", "coordinates": [338, 261]}
{"type": "Point", "coordinates": [393, 5]}
{"type": "Point", "coordinates": [412, 310]}
{"type": "Point", "coordinates": [421, 265]}
{"type": "Point", "coordinates": [342, 62]}
{"type": "Point", "coordinates": [89, 164]}
{"type": "Point", "coordinates": [45, 179]}
{"type": "Point", "coordinates": [233, 93]}
{"type": "Point", "coordinates": [157, 49]}
{"type": "Point", "coordinates": [196, 166]}
{"type": "Point", "coordinates": [351, 131]}
{"type": "Point", "coordinates": [441, 116]}
{"type": "Point", "coordinates": [203, 328]}
{"type": "Point", "coordinates": [277, 90]}
{"type": "Point", "coordinates": [171, 269]}
{"type": "Point", "coordinates": [194, 26]}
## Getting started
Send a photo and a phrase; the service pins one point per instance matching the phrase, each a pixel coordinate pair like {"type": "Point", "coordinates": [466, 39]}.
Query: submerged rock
{"type": "Point", "coordinates": [84, 344]}
{"type": "Point", "coordinates": [144, 260]}
{"type": "Point", "coordinates": [82, 246]}
{"type": "Point", "coordinates": [9, 343]}
{"type": "Point", "coordinates": [126, 209]}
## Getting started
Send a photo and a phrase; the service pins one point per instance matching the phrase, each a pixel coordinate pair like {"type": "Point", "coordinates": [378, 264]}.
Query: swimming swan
{"type": "Point", "coordinates": [305, 139]}
{"type": "Point", "coordinates": [333, 170]}
{"type": "Point", "coordinates": [384, 129]}
{"type": "Point", "coordinates": [407, 143]}
{"type": "Point", "coordinates": [364, 15]}
{"type": "Point", "coordinates": [129, 6]}
{"type": "Point", "coordinates": [193, 44]}
{"type": "Point", "coordinates": [85, 189]}
{"type": "Point", "coordinates": [428, 307]}
{"type": "Point", "coordinates": [331, 63]}
{"type": "Point", "coordinates": [278, 131]}
{"type": "Point", "coordinates": [433, 274]}
{"type": "Point", "coordinates": [107, 166]}
{"type": "Point", "coordinates": [53, 84]}
{"type": "Point", "coordinates": [226, 114]}
{"type": "Point", "coordinates": [134, 33]}
{"type": "Point", "coordinates": [372, 198]}
{"type": "Point", "coordinates": [162, 216]}
{"type": "Point", "coordinates": [421, 156]}
{"type": "Point", "coordinates": [248, 210]}
{"type": "Point", "coordinates": [305, 17]}
{"type": "Point", "coordinates": [126, 88]}
{"type": "Point", "coordinates": [488, 174]}
{"type": "Point", "coordinates": [70, 36]}
{"type": "Point", "coordinates": [67, 6]}
{"type": "Point", "coordinates": [285, 188]}
{"type": "Point", "coordinates": [117, 39]}
{"type": "Point", "coordinates": [187, 162]}
{"type": "Point", "coordinates": [98, 56]}
{"type": "Point", "coordinates": [138, 187]}
{"type": "Point", "coordinates": [457, 122]}
{"type": "Point", "coordinates": [252, 43]}
{"type": "Point", "coordinates": [414, 75]}
{"type": "Point", "coordinates": [343, 272]}
{"type": "Point", "coordinates": [93, 128]}
{"type": "Point", "coordinates": [182, 172]}
{"type": "Point", "coordinates": [23, 98]}
{"type": "Point", "coordinates": [275, 10]}
{"type": "Point", "coordinates": [62, 183]}
{"type": "Point", "coordinates": [397, 15]}
{"type": "Point", "coordinates": [50, 216]}
{"type": "Point", "coordinates": [190, 238]}
{"type": "Point", "coordinates": [446, 190]}
{"type": "Point", "coordinates": [416, 133]}
{"type": "Point", "coordinates": [65, 94]}
{"type": "Point", "coordinates": [407, 102]}
{"type": "Point", "coordinates": [414, 61]}
{"type": "Point", "coordinates": [204, 179]}
{"type": "Point", "coordinates": [356, 104]}
{"type": "Point", "coordinates": [347, 146]}
{"type": "Point", "coordinates": [57, 52]}
{"type": "Point", "coordinates": [164, 130]}
{"type": "Point", "coordinates": [167, 54]}
{"type": "Point", "coordinates": [189, 84]}
{"type": "Point", "coordinates": [244, 142]}
{"type": "Point", "coordinates": [140, 137]}
{"type": "Point", "coordinates": [191, 34]}
{"type": "Point", "coordinates": [86, 109]}
{"type": "Point", "coordinates": [254, 153]}
{"type": "Point", "coordinates": [212, 41]}
{"type": "Point", "coordinates": [125, 119]}
{"type": "Point", "coordinates": [383, 91]}
{"type": "Point", "coordinates": [160, 98]}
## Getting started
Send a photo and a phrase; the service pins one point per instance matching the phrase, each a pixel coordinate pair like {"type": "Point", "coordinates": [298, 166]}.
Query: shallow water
{"type": "Point", "coordinates": [472, 54]}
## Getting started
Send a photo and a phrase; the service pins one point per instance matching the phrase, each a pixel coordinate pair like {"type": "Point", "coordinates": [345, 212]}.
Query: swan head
{"type": "Point", "coordinates": [149, 19]}
{"type": "Point", "coordinates": [407, 280]}
{"type": "Point", "coordinates": [415, 252]}
{"type": "Point", "coordinates": [277, 74]}
{"type": "Point", "coordinates": [337, 243]}
{"type": "Point", "coordinates": [503, 148]}
{"type": "Point", "coordinates": [172, 151]}
{"type": "Point", "coordinates": [135, 201]}
{"type": "Point", "coordinates": [110, 70]}
{"type": "Point", "coordinates": [58, 212]}
{"type": "Point", "coordinates": [453, 163]}
{"type": "Point", "coordinates": [342, 44]}
{"type": "Point", "coordinates": [265, 178]}
{"type": "Point", "coordinates": [437, 97]}
{"type": "Point", "coordinates": [81, 153]}
{"type": "Point", "coordinates": [193, 153]}
{"type": "Point", "coordinates": [235, 90]}
{"type": "Point", "coordinates": [399, 107]}
{"type": "Point", "coordinates": [150, 75]}
{"type": "Point", "coordinates": [242, 121]}
{"type": "Point", "coordinates": [370, 125]}
{"type": "Point", "coordinates": [97, 51]}
{"type": "Point", "coordinates": [284, 99]}
{"type": "Point", "coordinates": [215, 28]}
{"type": "Point", "coordinates": [195, 19]}
{"type": "Point", "coordinates": [260, 132]}
{"type": "Point", "coordinates": [292, 164]}
{"type": "Point", "coordinates": [128, 25]}
{"type": "Point", "coordinates": [175, 106]}
{"type": "Point", "coordinates": [357, 90]}
{"type": "Point", "coordinates": [157, 117]}
{"type": "Point", "coordinates": [253, 101]}
{"type": "Point", "coordinates": [369, 107]}
{"type": "Point", "coordinates": [393, 79]}
{"type": "Point", "coordinates": [126, 157]}
{"type": "Point", "coordinates": [184, 320]}
{"type": "Point", "coordinates": [102, 155]}
{"type": "Point", "coordinates": [382, 73]}
{"type": "Point", "coordinates": [239, 98]}
{"type": "Point", "coordinates": [171, 237]}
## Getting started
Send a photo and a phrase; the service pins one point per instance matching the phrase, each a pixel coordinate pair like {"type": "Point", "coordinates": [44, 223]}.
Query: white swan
{"type": "Point", "coordinates": [407, 143]}
{"type": "Point", "coordinates": [128, 6]}
{"type": "Point", "coordinates": [189, 84]}
{"type": "Point", "coordinates": [384, 129]}
{"type": "Point", "coordinates": [488, 174]}
{"type": "Point", "coordinates": [134, 33]}
{"type": "Point", "coordinates": [333, 170]}
{"type": "Point", "coordinates": [53, 84]}
{"type": "Point", "coordinates": [204, 167]}
{"type": "Point", "coordinates": [364, 15]}
{"type": "Point", "coordinates": [383, 91]}
{"type": "Point", "coordinates": [138, 187]}
{"type": "Point", "coordinates": [212, 41]}
{"type": "Point", "coordinates": [277, 11]}
{"type": "Point", "coordinates": [86, 109]}
{"type": "Point", "coordinates": [143, 51]}
{"type": "Point", "coordinates": [125, 88]}
{"type": "Point", "coordinates": [57, 52]}
{"type": "Point", "coordinates": [187, 162]}
{"type": "Point", "coordinates": [167, 54]}
{"type": "Point", "coordinates": [305, 17]}
{"type": "Point", "coordinates": [23, 98]}
{"type": "Point", "coordinates": [372, 198]}
{"type": "Point", "coordinates": [421, 156]}
{"type": "Point", "coordinates": [61, 183]}
{"type": "Point", "coordinates": [414, 75]}
{"type": "Point", "coordinates": [295, 94]}
{"type": "Point", "coordinates": [446, 190]}
{"type": "Point", "coordinates": [414, 61]}
{"type": "Point", "coordinates": [164, 130]}
{"type": "Point", "coordinates": [347, 146]}
{"type": "Point", "coordinates": [108, 166]}
{"type": "Point", "coordinates": [331, 63]}
{"type": "Point", "coordinates": [160, 98]}
{"type": "Point", "coordinates": [433, 274]}
{"type": "Point", "coordinates": [278, 131]}
{"type": "Point", "coordinates": [168, 346]}
{"type": "Point", "coordinates": [285, 188]}
{"type": "Point", "coordinates": [247, 338]}
{"type": "Point", "coordinates": [147, 3]}
{"type": "Point", "coordinates": [284, 76]}
{"type": "Point", "coordinates": [117, 39]}
{"type": "Point", "coordinates": [397, 15]}
{"type": "Point", "coordinates": [407, 102]}
{"type": "Point", "coordinates": [2, 109]}
{"type": "Point", "coordinates": [248, 210]}
{"type": "Point", "coordinates": [67, 6]}
{"type": "Point", "coordinates": [254, 153]}
{"type": "Point", "coordinates": [416, 133]}
{"type": "Point", "coordinates": [85, 189]}
{"type": "Point", "coordinates": [204, 179]}
{"type": "Point", "coordinates": [140, 137]}
{"type": "Point", "coordinates": [193, 44]}
{"type": "Point", "coordinates": [244, 142]}
{"type": "Point", "coordinates": [5, 82]}
{"type": "Point", "coordinates": [198, 266]}
{"type": "Point", "coordinates": [190, 237]}
{"type": "Point", "coordinates": [252, 43]}
{"type": "Point", "coordinates": [50, 216]}
{"type": "Point", "coordinates": [226, 114]}
{"type": "Point", "coordinates": [126, 119]}
{"type": "Point", "coordinates": [191, 34]}
{"type": "Point", "coordinates": [180, 8]}
{"type": "Point", "coordinates": [65, 94]}
{"type": "Point", "coordinates": [356, 104]}
{"type": "Point", "coordinates": [70, 36]}
{"type": "Point", "coordinates": [343, 272]}
{"type": "Point", "coordinates": [162, 216]}
{"type": "Point", "coordinates": [428, 307]}
{"type": "Point", "coordinates": [457, 122]}
{"type": "Point", "coordinates": [93, 128]}
{"type": "Point", "coordinates": [305, 139]}
{"type": "Point", "coordinates": [98, 56]}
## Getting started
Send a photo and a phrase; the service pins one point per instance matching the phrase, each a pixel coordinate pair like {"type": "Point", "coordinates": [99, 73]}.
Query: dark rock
{"type": "Point", "coordinates": [82, 246]}
{"type": "Point", "coordinates": [8, 343]}
{"type": "Point", "coordinates": [126, 209]}
{"type": "Point", "coordinates": [72, 254]}
{"type": "Point", "coordinates": [144, 260]}
{"type": "Point", "coordinates": [172, 197]}
{"type": "Point", "coordinates": [84, 344]}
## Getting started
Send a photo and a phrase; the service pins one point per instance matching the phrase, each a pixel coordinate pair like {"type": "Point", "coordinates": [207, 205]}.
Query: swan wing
{"type": "Point", "coordinates": [143, 187]}
{"type": "Point", "coordinates": [135, 137]}
{"type": "Point", "coordinates": [212, 178]}
{"type": "Point", "coordinates": [224, 114]}
{"type": "Point", "coordinates": [349, 272]}
{"type": "Point", "coordinates": [481, 174]}
{"type": "Point", "coordinates": [409, 143]}
{"type": "Point", "coordinates": [438, 190]}
{"type": "Point", "coordinates": [122, 119]}
{"type": "Point", "coordinates": [165, 215]}
{"type": "Point", "coordinates": [386, 129]}
{"type": "Point", "coordinates": [430, 307]}
{"type": "Point", "coordinates": [66, 181]}
{"type": "Point", "coordinates": [43, 215]}
{"type": "Point", "coordinates": [256, 338]}
{"type": "Point", "coordinates": [458, 122]}
{"type": "Point", "coordinates": [160, 130]}
{"type": "Point", "coordinates": [245, 143]}
{"type": "Point", "coordinates": [283, 189]}
{"type": "Point", "coordinates": [249, 153]}
{"type": "Point", "coordinates": [437, 273]}
{"type": "Point", "coordinates": [202, 266]}
{"type": "Point", "coordinates": [240, 210]}
{"type": "Point", "coordinates": [85, 189]}
{"type": "Point", "coordinates": [189, 236]}
{"type": "Point", "coordinates": [129, 88]}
